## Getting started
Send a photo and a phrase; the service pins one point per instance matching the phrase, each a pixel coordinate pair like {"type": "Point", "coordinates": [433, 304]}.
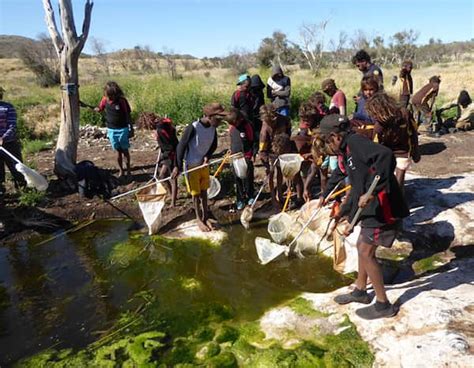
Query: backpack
{"type": "Point", "coordinates": [93, 181]}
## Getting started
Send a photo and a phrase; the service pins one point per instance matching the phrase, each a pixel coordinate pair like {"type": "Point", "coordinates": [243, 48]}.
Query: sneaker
{"type": "Point", "coordinates": [356, 296]}
{"type": "Point", "coordinates": [240, 205]}
{"type": "Point", "coordinates": [250, 201]}
{"type": "Point", "coordinates": [377, 310]}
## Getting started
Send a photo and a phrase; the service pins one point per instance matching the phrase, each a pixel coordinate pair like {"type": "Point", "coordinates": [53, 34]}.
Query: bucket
{"type": "Point", "coordinates": [240, 167]}
{"type": "Point", "coordinates": [290, 164]}
{"type": "Point", "coordinates": [279, 226]}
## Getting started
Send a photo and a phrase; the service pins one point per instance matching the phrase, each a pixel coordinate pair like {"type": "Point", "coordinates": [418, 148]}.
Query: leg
{"type": "Point", "coordinates": [127, 159]}
{"type": "Point", "coordinates": [366, 253]}
{"type": "Point", "coordinates": [279, 177]}
{"type": "Point", "coordinates": [205, 211]}
{"type": "Point", "coordinates": [2, 172]}
{"type": "Point", "coordinates": [15, 149]}
{"type": "Point", "coordinates": [400, 175]}
{"type": "Point", "coordinates": [196, 203]}
{"type": "Point", "coordinates": [249, 185]}
{"type": "Point", "coordinates": [120, 161]}
{"type": "Point", "coordinates": [164, 173]}
{"type": "Point", "coordinates": [174, 191]}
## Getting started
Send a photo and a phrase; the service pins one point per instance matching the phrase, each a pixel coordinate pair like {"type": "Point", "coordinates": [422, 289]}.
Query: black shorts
{"type": "Point", "coordinates": [383, 236]}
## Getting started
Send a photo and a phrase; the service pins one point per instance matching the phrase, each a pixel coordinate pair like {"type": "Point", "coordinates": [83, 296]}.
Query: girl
{"type": "Point", "coordinates": [395, 128]}
{"type": "Point", "coordinates": [119, 124]}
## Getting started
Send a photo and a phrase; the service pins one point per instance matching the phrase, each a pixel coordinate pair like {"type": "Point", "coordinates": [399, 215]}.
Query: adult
{"type": "Point", "coordinates": [338, 98]}
{"type": "Point", "coordinates": [423, 102]}
{"type": "Point", "coordinates": [242, 98]}
{"type": "Point", "coordinates": [406, 83]}
{"type": "Point", "coordinates": [361, 160]}
{"type": "Point", "coordinates": [9, 141]}
{"type": "Point", "coordinates": [279, 90]}
{"type": "Point", "coordinates": [363, 62]}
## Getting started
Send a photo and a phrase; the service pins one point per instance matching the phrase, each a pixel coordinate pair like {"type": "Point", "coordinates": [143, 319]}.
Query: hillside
{"type": "Point", "coordinates": [11, 45]}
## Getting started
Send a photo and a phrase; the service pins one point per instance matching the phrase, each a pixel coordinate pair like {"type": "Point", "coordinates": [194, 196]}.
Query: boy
{"type": "Point", "coordinates": [197, 144]}
{"type": "Point", "coordinates": [241, 140]}
{"type": "Point", "coordinates": [361, 159]}
{"type": "Point", "coordinates": [272, 124]}
{"type": "Point", "coordinates": [165, 134]}
{"type": "Point", "coordinates": [9, 141]}
{"type": "Point", "coordinates": [406, 88]}
{"type": "Point", "coordinates": [279, 90]}
{"type": "Point", "coordinates": [338, 98]}
{"type": "Point", "coordinates": [423, 102]}
{"type": "Point", "coordinates": [464, 119]}
{"type": "Point", "coordinates": [242, 99]}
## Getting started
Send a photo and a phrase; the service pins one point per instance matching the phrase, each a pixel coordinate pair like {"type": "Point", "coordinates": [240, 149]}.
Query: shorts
{"type": "Point", "coordinates": [118, 138]}
{"type": "Point", "coordinates": [404, 163]}
{"type": "Point", "coordinates": [383, 236]}
{"type": "Point", "coordinates": [198, 181]}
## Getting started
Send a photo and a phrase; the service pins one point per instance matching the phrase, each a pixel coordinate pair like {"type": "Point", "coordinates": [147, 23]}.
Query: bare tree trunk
{"type": "Point", "coordinates": [68, 47]}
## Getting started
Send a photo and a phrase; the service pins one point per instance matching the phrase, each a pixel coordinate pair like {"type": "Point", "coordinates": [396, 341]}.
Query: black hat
{"type": "Point", "coordinates": [334, 123]}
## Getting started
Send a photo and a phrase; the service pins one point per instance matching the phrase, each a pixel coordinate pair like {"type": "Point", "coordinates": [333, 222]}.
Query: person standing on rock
{"type": "Point", "coordinates": [361, 160]}
{"type": "Point", "coordinates": [195, 148]}
{"type": "Point", "coordinates": [119, 123]}
{"type": "Point", "coordinates": [9, 141]}
{"type": "Point", "coordinates": [279, 90]}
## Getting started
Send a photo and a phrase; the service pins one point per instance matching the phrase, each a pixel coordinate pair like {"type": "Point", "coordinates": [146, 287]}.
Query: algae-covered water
{"type": "Point", "coordinates": [94, 294]}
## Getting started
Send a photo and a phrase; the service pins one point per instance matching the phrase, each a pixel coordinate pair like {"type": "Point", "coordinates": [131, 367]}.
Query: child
{"type": "Point", "coordinates": [338, 98]}
{"type": "Point", "coordinates": [279, 90]}
{"type": "Point", "coordinates": [242, 99]}
{"type": "Point", "coordinates": [241, 140]}
{"type": "Point", "coordinates": [119, 123]}
{"type": "Point", "coordinates": [272, 124]}
{"type": "Point", "coordinates": [406, 87]}
{"type": "Point", "coordinates": [310, 117]}
{"type": "Point", "coordinates": [317, 158]}
{"type": "Point", "coordinates": [283, 144]}
{"type": "Point", "coordinates": [394, 128]}
{"type": "Point", "coordinates": [360, 160]}
{"type": "Point", "coordinates": [165, 134]}
{"type": "Point", "coordinates": [464, 119]}
{"type": "Point", "coordinates": [197, 144]}
{"type": "Point", "coordinates": [9, 141]}
{"type": "Point", "coordinates": [318, 101]}
{"type": "Point", "coordinates": [423, 102]}
{"type": "Point", "coordinates": [256, 89]}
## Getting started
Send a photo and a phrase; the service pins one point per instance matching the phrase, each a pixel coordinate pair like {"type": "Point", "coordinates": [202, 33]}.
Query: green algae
{"type": "Point", "coordinates": [304, 307]}
{"type": "Point", "coordinates": [176, 316]}
{"type": "Point", "coordinates": [428, 264]}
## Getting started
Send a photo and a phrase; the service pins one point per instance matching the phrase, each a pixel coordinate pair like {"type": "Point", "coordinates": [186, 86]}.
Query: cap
{"type": "Point", "coordinates": [214, 108]}
{"type": "Point", "coordinates": [242, 78]}
{"type": "Point", "coordinates": [327, 83]}
{"type": "Point", "coordinates": [334, 123]}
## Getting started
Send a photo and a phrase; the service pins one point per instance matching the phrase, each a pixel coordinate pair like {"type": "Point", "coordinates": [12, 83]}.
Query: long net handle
{"type": "Point", "coordinates": [11, 156]}
{"type": "Point", "coordinates": [313, 215]}
{"type": "Point", "coordinates": [359, 210]}
{"type": "Point", "coordinates": [157, 164]}
{"type": "Point", "coordinates": [221, 166]}
{"type": "Point", "coordinates": [287, 200]}
{"type": "Point", "coordinates": [264, 184]}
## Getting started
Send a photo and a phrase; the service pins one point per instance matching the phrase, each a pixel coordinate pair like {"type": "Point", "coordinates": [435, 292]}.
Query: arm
{"type": "Point", "coordinates": [183, 145]}
{"type": "Point", "coordinates": [285, 92]}
{"type": "Point", "coordinates": [11, 124]}
{"type": "Point", "coordinates": [102, 104]}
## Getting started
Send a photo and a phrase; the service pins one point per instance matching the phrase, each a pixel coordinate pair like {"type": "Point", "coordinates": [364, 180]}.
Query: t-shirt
{"type": "Point", "coordinates": [117, 113]}
{"type": "Point", "coordinates": [7, 122]}
{"type": "Point", "coordinates": [338, 100]}
{"type": "Point", "coordinates": [241, 139]}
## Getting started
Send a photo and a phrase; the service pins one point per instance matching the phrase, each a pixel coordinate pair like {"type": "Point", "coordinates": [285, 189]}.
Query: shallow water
{"type": "Point", "coordinates": [62, 293]}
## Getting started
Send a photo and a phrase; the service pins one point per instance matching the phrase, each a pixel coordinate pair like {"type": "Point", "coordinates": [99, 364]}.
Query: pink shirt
{"type": "Point", "coordinates": [338, 100]}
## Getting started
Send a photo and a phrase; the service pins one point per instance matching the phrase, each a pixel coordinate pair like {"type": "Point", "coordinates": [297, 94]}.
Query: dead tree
{"type": "Point", "coordinates": [68, 47]}
{"type": "Point", "coordinates": [312, 44]}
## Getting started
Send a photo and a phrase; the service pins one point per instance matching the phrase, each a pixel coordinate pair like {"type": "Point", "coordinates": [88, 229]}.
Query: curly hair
{"type": "Point", "coordinates": [281, 144]}
{"type": "Point", "coordinates": [309, 114]}
{"type": "Point", "coordinates": [268, 114]}
{"type": "Point", "coordinates": [382, 108]}
{"type": "Point", "coordinates": [361, 55]}
{"type": "Point", "coordinates": [368, 82]}
{"type": "Point", "coordinates": [318, 148]}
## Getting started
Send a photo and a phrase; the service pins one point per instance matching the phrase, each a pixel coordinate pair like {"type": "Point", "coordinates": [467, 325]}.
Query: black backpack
{"type": "Point", "coordinates": [94, 181]}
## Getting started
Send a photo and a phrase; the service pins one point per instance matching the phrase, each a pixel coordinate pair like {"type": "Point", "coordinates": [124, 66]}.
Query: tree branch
{"type": "Point", "coordinates": [85, 25]}
{"type": "Point", "coordinates": [67, 23]}
{"type": "Point", "coordinates": [52, 28]}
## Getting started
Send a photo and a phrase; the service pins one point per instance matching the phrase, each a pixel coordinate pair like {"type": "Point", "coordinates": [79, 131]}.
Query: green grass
{"type": "Point", "coordinates": [35, 145]}
{"type": "Point", "coordinates": [31, 197]}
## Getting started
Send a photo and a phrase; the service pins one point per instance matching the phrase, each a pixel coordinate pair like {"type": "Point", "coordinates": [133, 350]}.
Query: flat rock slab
{"type": "Point", "coordinates": [190, 229]}
{"type": "Point", "coordinates": [434, 327]}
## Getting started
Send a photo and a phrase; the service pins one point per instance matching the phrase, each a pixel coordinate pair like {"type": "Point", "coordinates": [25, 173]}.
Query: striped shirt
{"type": "Point", "coordinates": [7, 122]}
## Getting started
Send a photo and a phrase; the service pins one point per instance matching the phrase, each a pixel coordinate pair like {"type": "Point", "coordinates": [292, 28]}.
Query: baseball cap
{"type": "Point", "coordinates": [214, 108]}
{"type": "Point", "coordinates": [334, 123]}
{"type": "Point", "coordinates": [242, 78]}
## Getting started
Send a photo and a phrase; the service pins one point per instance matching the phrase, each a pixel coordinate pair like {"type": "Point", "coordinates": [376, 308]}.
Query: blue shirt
{"type": "Point", "coordinates": [7, 122]}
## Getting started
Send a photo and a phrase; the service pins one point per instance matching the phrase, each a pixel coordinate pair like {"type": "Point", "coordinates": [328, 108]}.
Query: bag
{"type": "Point", "coordinates": [94, 181]}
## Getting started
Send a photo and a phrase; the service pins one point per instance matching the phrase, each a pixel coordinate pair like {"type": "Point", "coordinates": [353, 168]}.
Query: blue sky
{"type": "Point", "coordinates": [214, 28]}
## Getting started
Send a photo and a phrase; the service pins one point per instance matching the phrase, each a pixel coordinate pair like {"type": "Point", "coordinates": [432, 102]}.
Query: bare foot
{"type": "Point", "coordinates": [202, 226]}
{"type": "Point", "coordinates": [212, 224]}
{"type": "Point", "coordinates": [121, 173]}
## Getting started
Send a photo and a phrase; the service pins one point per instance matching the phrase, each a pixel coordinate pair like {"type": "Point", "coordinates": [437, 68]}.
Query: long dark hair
{"type": "Point", "coordinates": [113, 91]}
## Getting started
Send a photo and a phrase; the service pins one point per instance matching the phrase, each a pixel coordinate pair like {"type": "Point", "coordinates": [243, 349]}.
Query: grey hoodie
{"type": "Point", "coordinates": [279, 97]}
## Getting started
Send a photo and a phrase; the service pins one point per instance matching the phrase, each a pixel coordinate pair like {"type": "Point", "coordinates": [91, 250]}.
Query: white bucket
{"type": "Point", "coordinates": [290, 164]}
{"type": "Point", "coordinates": [240, 167]}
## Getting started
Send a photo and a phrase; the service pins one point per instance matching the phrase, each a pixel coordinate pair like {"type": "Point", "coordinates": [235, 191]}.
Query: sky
{"type": "Point", "coordinates": [215, 28]}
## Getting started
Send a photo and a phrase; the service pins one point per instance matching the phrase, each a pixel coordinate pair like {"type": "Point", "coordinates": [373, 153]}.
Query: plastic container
{"type": "Point", "coordinates": [240, 167]}
{"type": "Point", "coordinates": [290, 164]}
{"type": "Point", "coordinates": [279, 226]}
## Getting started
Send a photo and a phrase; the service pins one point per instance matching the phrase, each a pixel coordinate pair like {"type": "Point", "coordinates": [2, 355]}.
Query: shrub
{"type": "Point", "coordinates": [31, 197]}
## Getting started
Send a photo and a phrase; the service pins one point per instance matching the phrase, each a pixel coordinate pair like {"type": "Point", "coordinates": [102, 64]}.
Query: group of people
{"type": "Point", "coordinates": [379, 138]}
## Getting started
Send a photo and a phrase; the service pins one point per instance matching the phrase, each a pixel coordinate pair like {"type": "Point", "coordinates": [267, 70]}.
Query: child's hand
{"type": "Point", "coordinates": [364, 200]}
{"type": "Point", "coordinates": [175, 173]}
{"type": "Point", "coordinates": [307, 196]}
